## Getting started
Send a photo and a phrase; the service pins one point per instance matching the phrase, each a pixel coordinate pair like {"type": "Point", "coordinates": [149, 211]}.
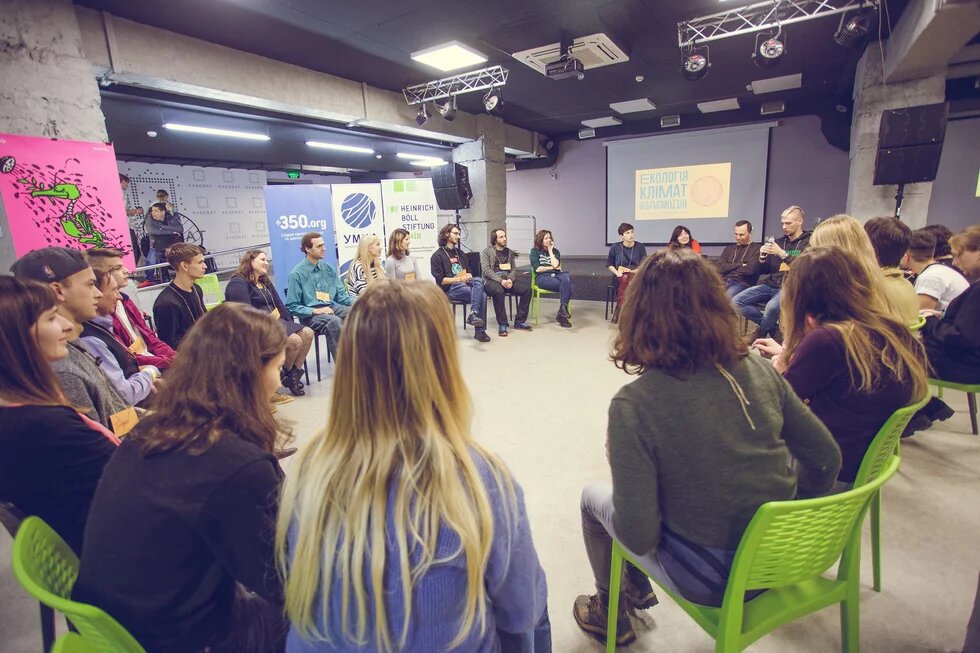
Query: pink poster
{"type": "Point", "coordinates": [62, 194]}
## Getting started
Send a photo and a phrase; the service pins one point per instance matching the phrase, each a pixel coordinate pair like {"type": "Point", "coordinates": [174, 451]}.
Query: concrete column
{"type": "Point", "coordinates": [871, 98]}
{"type": "Point", "coordinates": [484, 159]}
{"type": "Point", "coordinates": [48, 87]}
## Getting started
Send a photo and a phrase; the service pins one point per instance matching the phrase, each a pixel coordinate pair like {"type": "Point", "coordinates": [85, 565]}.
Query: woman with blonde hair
{"type": "Point", "coordinates": [251, 285]}
{"type": "Point", "coordinates": [367, 268]}
{"type": "Point", "coordinates": [846, 232]}
{"type": "Point", "coordinates": [397, 531]}
{"type": "Point", "coordinates": [844, 354]}
{"type": "Point", "coordinates": [179, 541]}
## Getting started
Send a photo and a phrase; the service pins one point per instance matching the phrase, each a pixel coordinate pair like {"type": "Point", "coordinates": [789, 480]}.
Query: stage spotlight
{"type": "Point", "coordinates": [852, 29]}
{"type": "Point", "coordinates": [770, 51]}
{"type": "Point", "coordinates": [447, 110]}
{"type": "Point", "coordinates": [493, 100]}
{"type": "Point", "coordinates": [695, 63]}
{"type": "Point", "coordinates": [422, 117]}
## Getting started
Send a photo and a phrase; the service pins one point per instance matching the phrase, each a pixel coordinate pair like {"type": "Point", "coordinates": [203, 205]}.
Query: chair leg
{"type": "Point", "coordinates": [615, 577]}
{"type": "Point", "coordinates": [316, 348]}
{"type": "Point", "coordinates": [876, 540]}
{"type": "Point", "coordinates": [536, 307]}
{"type": "Point", "coordinates": [306, 371]}
{"type": "Point", "coordinates": [971, 400]}
{"type": "Point", "coordinates": [850, 622]}
{"type": "Point", "coordinates": [47, 627]}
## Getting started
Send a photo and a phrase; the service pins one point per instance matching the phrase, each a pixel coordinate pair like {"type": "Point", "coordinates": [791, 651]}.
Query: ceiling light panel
{"type": "Point", "coordinates": [428, 163]}
{"type": "Point", "coordinates": [608, 121]}
{"type": "Point", "coordinates": [417, 157]}
{"type": "Point", "coordinates": [633, 106]}
{"type": "Point", "coordinates": [449, 56]}
{"type": "Point", "coordinates": [777, 83]}
{"type": "Point", "coordinates": [340, 148]}
{"type": "Point", "coordinates": [718, 105]}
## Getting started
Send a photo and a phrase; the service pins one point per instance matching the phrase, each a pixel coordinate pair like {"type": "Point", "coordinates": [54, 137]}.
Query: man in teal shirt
{"type": "Point", "coordinates": [316, 295]}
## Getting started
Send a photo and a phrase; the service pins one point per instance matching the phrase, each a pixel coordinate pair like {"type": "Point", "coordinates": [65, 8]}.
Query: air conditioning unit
{"type": "Point", "coordinates": [670, 121]}
{"type": "Point", "coordinates": [586, 133]}
{"type": "Point", "coordinates": [768, 108]}
{"type": "Point", "coordinates": [592, 51]}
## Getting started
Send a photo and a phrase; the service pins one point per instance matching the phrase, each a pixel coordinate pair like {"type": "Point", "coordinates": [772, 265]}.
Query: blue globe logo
{"type": "Point", "coordinates": [357, 210]}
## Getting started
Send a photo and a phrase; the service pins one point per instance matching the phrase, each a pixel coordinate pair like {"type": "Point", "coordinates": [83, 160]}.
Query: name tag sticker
{"type": "Point", "coordinates": [409, 276]}
{"type": "Point", "coordinates": [505, 266]}
{"type": "Point", "coordinates": [124, 421]}
{"type": "Point", "coordinates": [275, 313]}
{"type": "Point", "coordinates": [323, 296]}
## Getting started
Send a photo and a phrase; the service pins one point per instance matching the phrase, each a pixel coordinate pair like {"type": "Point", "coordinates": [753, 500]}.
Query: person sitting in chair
{"type": "Point", "coordinates": [499, 265]}
{"type": "Point", "coordinates": [449, 269]}
{"type": "Point", "coordinates": [546, 263]}
{"type": "Point", "coordinates": [316, 295]}
{"type": "Point", "coordinates": [622, 261]}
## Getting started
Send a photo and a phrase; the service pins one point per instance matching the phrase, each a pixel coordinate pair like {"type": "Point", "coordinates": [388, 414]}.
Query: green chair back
{"type": "Point", "coordinates": [72, 643]}
{"type": "Point", "coordinates": [212, 290]}
{"type": "Point", "coordinates": [47, 568]}
{"type": "Point", "coordinates": [785, 549]}
{"type": "Point", "coordinates": [885, 443]}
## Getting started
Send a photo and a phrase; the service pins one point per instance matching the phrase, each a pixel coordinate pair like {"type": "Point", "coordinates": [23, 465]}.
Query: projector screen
{"type": "Point", "coordinates": [705, 180]}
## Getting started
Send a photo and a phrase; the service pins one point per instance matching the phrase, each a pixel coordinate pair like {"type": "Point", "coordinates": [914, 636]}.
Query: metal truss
{"type": "Point", "coordinates": [478, 80]}
{"type": "Point", "coordinates": [760, 16]}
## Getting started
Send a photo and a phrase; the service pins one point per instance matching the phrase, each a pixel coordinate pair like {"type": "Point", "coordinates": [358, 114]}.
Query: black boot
{"type": "Point", "coordinates": [294, 386]}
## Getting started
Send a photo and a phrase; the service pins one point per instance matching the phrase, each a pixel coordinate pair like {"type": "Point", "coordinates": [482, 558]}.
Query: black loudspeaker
{"type": "Point", "coordinates": [451, 183]}
{"type": "Point", "coordinates": [910, 142]}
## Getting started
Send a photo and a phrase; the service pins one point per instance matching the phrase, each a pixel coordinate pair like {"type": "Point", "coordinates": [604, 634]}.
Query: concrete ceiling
{"type": "Point", "coordinates": [371, 41]}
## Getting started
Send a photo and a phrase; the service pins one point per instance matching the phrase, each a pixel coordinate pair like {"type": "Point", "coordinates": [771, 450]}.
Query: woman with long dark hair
{"type": "Point", "coordinates": [845, 354]}
{"type": "Point", "coordinates": [179, 543]}
{"type": "Point", "coordinates": [251, 285]}
{"type": "Point", "coordinates": [53, 455]}
{"type": "Point", "coordinates": [681, 238]}
{"type": "Point", "coordinates": [685, 484]}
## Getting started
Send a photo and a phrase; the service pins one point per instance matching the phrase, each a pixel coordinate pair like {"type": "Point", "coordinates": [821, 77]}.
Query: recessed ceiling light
{"type": "Point", "coordinates": [608, 121]}
{"type": "Point", "coordinates": [428, 163]}
{"type": "Point", "coordinates": [718, 105]}
{"type": "Point", "coordinates": [342, 148]}
{"type": "Point", "coordinates": [633, 106]}
{"type": "Point", "coordinates": [215, 132]}
{"type": "Point", "coordinates": [449, 56]}
{"type": "Point", "coordinates": [772, 84]}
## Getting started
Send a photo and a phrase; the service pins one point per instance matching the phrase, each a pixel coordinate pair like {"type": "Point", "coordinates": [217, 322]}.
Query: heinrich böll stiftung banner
{"type": "Point", "coordinates": [356, 213]}
{"type": "Point", "coordinates": [293, 211]}
{"type": "Point", "coordinates": [60, 193]}
{"type": "Point", "coordinates": [410, 204]}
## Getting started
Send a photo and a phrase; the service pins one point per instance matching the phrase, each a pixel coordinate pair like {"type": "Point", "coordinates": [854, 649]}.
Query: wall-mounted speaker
{"type": "Point", "coordinates": [910, 143]}
{"type": "Point", "coordinates": [451, 183]}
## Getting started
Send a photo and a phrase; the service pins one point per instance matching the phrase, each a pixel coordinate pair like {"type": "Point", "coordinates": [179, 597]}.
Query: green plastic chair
{"type": "Point", "coordinates": [785, 549]}
{"type": "Point", "coordinates": [72, 643]}
{"type": "Point", "coordinates": [971, 390]}
{"type": "Point", "coordinates": [918, 324]}
{"type": "Point", "coordinates": [876, 459]}
{"type": "Point", "coordinates": [47, 568]}
{"type": "Point", "coordinates": [212, 290]}
{"type": "Point", "coordinates": [536, 292]}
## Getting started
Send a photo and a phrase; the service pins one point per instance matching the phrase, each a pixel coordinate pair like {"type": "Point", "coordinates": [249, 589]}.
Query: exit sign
{"type": "Point", "coordinates": [293, 174]}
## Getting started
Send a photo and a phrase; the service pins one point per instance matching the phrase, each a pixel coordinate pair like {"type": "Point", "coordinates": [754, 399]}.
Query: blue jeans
{"type": "Point", "coordinates": [154, 257]}
{"type": "Point", "coordinates": [328, 325]}
{"type": "Point", "coordinates": [471, 292]}
{"type": "Point", "coordinates": [733, 288]}
{"type": "Point", "coordinates": [747, 301]}
{"type": "Point", "coordinates": [560, 282]}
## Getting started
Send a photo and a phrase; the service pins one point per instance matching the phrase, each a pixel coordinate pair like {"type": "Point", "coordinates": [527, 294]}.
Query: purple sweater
{"type": "Point", "coordinates": [819, 375]}
{"type": "Point", "coordinates": [513, 578]}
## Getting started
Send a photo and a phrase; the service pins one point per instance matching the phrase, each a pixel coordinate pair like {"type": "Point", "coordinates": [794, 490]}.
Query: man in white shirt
{"type": "Point", "coordinates": [936, 285]}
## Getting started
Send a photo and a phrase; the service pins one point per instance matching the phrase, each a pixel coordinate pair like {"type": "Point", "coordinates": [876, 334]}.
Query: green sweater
{"type": "Point", "coordinates": [683, 452]}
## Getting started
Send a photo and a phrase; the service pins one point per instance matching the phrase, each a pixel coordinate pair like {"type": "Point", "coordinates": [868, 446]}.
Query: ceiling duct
{"type": "Point", "coordinates": [548, 145]}
{"type": "Point", "coordinates": [592, 51]}
{"type": "Point", "coordinates": [670, 121]}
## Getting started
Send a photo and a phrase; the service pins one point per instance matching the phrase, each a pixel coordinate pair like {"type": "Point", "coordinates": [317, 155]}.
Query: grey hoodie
{"type": "Point", "coordinates": [86, 387]}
